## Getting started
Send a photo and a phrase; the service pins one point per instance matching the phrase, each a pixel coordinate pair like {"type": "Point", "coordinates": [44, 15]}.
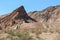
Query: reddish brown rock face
{"type": "Point", "coordinates": [49, 17]}
{"type": "Point", "coordinates": [11, 19]}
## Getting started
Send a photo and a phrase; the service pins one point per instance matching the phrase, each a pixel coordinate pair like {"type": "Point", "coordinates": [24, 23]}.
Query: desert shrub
{"type": "Point", "coordinates": [22, 35]}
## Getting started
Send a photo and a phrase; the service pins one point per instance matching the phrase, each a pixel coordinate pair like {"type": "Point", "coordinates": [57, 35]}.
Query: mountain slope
{"type": "Point", "coordinates": [18, 16]}
{"type": "Point", "coordinates": [36, 25]}
{"type": "Point", "coordinates": [48, 18]}
{"type": "Point", "coordinates": [46, 14]}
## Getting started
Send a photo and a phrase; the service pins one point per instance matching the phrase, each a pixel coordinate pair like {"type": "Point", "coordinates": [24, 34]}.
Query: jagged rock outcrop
{"type": "Point", "coordinates": [18, 16]}
{"type": "Point", "coordinates": [47, 18]}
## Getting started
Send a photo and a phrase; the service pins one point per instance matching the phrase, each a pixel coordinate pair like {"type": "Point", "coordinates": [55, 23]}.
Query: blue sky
{"type": "Point", "coordinates": [7, 6]}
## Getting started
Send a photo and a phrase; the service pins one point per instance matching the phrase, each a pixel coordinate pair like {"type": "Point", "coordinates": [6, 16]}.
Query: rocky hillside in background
{"type": "Point", "coordinates": [48, 18]}
{"type": "Point", "coordinates": [51, 12]}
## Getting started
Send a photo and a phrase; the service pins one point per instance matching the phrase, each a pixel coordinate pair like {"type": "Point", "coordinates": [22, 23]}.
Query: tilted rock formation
{"type": "Point", "coordinates": [17, 16]}
{"type": "Point", "coordinates": [47, 18]}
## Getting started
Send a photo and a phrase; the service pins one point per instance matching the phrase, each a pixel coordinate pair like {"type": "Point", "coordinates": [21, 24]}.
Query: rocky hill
{"type": "Point", "coordinates": [51, 12]}
{"type": "Point", "coordinates": [18, 16]}
{"type": "Point", "coordinates": [36, 25]}
{"type": "Point", "coordinates": [48, 18]}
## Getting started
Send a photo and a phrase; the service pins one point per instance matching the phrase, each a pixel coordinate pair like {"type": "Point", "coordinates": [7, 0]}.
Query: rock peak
{"type": "Point", "coordinates": [17, 16]}
{"type": "Point", "coordinates": [21, 8]}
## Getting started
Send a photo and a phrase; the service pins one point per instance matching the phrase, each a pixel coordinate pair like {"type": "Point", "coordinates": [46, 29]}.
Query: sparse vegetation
{"type": "Point", "coordinates": [35, 34]}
